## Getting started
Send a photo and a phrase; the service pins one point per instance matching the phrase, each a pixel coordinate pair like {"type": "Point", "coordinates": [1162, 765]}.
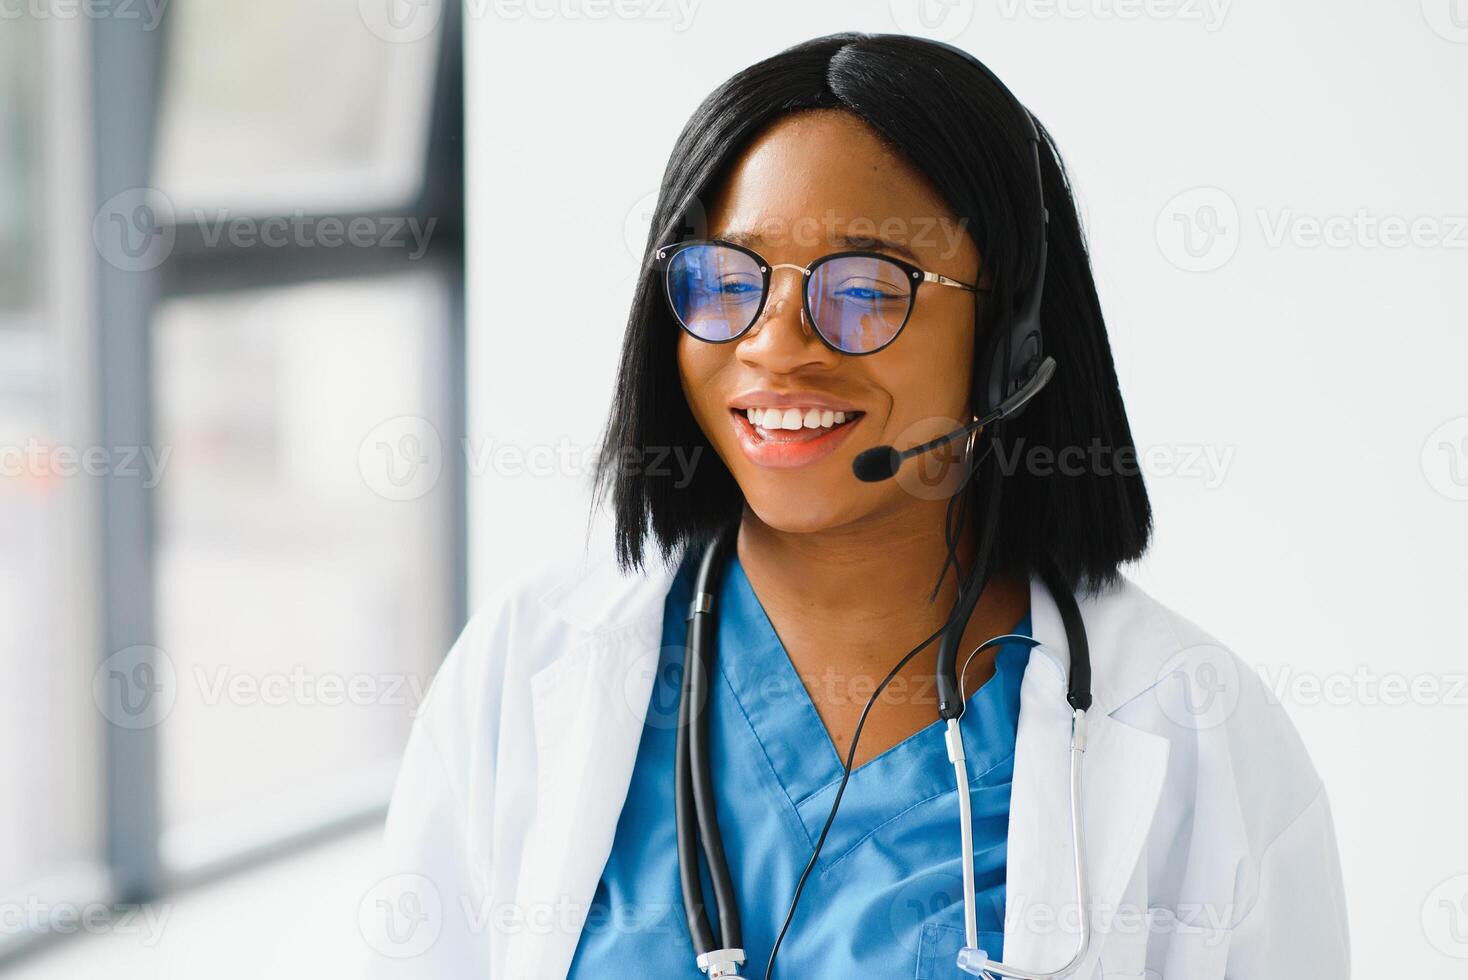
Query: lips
{"type": "Point", "coordinates": [786, 448]}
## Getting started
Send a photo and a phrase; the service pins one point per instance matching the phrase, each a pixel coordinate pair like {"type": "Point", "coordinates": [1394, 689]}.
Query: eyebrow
{"type": "Point", "coordinates": [864, 242]}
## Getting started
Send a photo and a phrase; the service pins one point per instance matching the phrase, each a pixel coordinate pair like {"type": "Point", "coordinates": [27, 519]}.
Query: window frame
{"type": "Point", "coordinates": [114, 73]}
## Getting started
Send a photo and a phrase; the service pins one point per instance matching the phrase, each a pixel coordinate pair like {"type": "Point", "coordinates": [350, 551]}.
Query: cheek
{"type": "Point", "coordinates": [929, 379]}
{"type": "Point", "coordinates": [699, 366]}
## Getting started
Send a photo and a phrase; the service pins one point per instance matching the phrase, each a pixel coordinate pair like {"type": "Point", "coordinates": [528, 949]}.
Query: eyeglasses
{"type": "Point", "coordinates": [857, 301]}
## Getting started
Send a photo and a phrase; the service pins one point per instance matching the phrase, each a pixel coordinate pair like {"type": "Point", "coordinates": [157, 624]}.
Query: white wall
{"type": "Point", "coordinates": [1329, 536]}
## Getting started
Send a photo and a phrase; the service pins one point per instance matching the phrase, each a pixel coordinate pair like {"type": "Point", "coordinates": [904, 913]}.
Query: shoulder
{"type": "Point", "coordinates": [1241, 849]}
{"type": "Point", "coordinates": [1236, 760]}
{"type": "Point", "coordinates": [1148, 658]}
{"type": "Point", "coordinates": [554, 605]}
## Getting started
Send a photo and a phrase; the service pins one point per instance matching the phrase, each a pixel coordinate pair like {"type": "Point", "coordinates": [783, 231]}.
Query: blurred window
{"type": "Point", "coordinates": [304, 594]}
{"type": "Point", "coordinates": [273, 105]}
{"type": "Point", "coordinates": [50, 782]}
{"type": "Point", "coordinates": [20, 172]}
{"type": "Point", "coordinates": [301, 410]}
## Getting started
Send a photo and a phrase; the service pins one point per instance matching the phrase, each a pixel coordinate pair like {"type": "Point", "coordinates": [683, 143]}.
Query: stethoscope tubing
{"type": "Point", "coordinates": [981, 965]}
{"type": "Point", "coordinates": [694, 805]}
{"type": "Point", "coordinates": [695, 815]}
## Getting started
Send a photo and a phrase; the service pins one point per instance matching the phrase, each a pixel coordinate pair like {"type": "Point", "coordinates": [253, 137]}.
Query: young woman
{"type": "Point", "coordinates": [807, 762]}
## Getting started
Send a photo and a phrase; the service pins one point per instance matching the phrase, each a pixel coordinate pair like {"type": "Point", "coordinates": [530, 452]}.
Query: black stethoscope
{"type": "Point", "coordinates": [721, 954]}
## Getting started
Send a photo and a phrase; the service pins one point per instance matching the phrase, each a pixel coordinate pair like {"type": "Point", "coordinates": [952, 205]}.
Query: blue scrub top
{"type": "Point", "coordinates": [886, 897]}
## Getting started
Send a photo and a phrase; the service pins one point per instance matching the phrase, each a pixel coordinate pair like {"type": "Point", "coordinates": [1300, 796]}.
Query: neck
{"type": "Point", "coordinates": [863, 589]}
{"type": "Point", "coordinates": [874, 567]}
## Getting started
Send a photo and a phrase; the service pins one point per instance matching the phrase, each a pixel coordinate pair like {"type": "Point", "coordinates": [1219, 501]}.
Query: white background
{"type": "Point", "coordinates": [1328, 537]}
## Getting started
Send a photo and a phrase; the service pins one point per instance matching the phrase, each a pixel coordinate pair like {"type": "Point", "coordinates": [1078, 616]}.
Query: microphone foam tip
{"type": "Point", "coordinates": [876, 464]}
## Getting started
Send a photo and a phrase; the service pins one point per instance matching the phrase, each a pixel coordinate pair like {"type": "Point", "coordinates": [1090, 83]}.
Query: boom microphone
{"type": "Point", "coordinates": [882, 462]}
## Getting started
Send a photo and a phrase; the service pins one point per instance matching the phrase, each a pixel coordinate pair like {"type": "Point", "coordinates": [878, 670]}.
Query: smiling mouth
{"type": "Point", "coordinates": [788, 425]}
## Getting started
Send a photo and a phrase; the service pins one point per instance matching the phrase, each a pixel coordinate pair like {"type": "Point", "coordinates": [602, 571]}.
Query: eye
{"type": "Point", "coordinates": [868, 291]}
{"type": "Point", "coordinates": [737, 287]}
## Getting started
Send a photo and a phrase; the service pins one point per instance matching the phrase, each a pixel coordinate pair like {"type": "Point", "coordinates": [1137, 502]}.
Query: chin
{"type": "Point", "coordinates": [802, 513]}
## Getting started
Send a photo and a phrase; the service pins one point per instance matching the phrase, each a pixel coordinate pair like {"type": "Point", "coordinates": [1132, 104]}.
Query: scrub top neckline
{"type": "Point", "coordinates": [885, 894]}
{"type": "Point", "coordinates": [802, 756]}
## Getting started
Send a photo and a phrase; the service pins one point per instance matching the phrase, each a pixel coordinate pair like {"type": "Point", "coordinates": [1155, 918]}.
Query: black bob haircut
{"type": "Point", "coordinates": [951, 122]}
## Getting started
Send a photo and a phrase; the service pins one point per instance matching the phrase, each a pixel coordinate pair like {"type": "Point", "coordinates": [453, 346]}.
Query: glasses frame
{"type": "Point", "coordinates": [917, 275]}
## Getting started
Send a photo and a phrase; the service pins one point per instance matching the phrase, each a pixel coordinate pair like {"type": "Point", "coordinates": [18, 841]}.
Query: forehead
{"type": "Point", "coordinates": [818, 178]}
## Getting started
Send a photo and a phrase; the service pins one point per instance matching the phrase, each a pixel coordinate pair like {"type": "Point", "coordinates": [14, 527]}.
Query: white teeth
{"type": "Point", "coordinates": [796, 418]}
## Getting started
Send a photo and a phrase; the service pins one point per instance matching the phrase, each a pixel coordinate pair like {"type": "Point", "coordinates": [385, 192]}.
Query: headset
{"type": "Point", "coordinates": [1011, 369]}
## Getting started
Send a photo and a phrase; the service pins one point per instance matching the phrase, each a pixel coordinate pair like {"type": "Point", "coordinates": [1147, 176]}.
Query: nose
{"type": "Point", "coordinates": [782, 339]}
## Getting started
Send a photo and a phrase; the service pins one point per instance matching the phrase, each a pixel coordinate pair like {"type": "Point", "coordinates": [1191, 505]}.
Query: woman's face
{"type": "Point", "coordinates": [814, 183]}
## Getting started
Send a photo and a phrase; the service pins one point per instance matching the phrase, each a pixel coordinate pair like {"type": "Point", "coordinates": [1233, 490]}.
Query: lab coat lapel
{"type": "Point", "coordinates": [1121, 781]}
{"type": "Point", "coordinates": [588, 708]}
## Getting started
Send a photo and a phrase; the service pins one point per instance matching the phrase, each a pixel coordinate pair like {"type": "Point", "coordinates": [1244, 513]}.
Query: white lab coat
{"type": "Point", "coordinates": [1211, 847]}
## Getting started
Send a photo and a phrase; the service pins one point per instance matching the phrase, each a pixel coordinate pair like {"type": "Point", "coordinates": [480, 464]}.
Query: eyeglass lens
{"type": "Point", "coordinates": [858, 303]}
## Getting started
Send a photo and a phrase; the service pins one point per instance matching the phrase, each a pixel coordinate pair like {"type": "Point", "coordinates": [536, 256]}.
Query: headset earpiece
{"type": "Point", "coordinates": [1015, 347]}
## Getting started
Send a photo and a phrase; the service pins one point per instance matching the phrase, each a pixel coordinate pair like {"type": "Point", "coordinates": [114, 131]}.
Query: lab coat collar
{"type": "Point", "coordinates": [1121, 785]}
{"type": "Point", "coordinates": [589, 705]}
{"type": "Point", "coordinates": [598, 597]}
